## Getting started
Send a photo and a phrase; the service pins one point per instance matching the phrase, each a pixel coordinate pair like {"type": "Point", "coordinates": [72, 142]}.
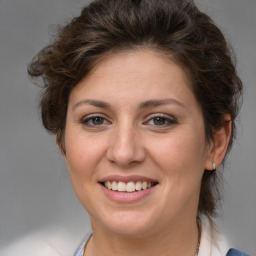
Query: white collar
{"type": "Point", "coordinates": [212, 243]}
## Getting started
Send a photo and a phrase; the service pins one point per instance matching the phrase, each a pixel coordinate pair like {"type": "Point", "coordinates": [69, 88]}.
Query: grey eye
{"type": "Point", "coordinates": [94, 121]}
{"type": "Point", "coordinates": [159, 121]}
{"type": "Point", "coordinates": [97, 120]}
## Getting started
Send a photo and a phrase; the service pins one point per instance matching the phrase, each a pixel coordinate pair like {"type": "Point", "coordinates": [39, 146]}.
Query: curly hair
{"type": "Point", "coordinates": [177, 28]}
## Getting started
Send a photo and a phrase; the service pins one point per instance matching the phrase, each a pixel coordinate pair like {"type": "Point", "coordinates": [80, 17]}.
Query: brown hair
{"type": "Point", "coordinates": [175, 27]}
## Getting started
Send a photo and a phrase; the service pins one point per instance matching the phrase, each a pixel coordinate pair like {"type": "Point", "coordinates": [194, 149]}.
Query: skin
{"type": "Point", "coordinates": [127, 140]}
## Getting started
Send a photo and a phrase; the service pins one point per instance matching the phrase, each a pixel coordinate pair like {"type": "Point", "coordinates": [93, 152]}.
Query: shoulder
{"type": "Point", "coordinates": [43, 243]}
{"type": "Point", "coordinates": [30, 245]}
{"type": "Point", "coordinates": [234, 252]}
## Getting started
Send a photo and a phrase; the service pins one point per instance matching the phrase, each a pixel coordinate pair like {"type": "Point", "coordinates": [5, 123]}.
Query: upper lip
{"type": "Point", "coordinates": [126, 179]}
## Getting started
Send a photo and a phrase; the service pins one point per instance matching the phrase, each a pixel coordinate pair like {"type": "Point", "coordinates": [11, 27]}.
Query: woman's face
{"type": "Point", "coordinates": [135, 126]}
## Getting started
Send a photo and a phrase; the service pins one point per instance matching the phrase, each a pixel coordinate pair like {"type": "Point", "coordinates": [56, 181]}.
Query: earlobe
{"type": "Point", "coordinates": [219, 145]}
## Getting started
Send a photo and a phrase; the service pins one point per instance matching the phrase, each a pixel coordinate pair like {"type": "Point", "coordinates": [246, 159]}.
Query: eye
{"type": "Point", "coordinates": [94, 121]}
{"type": "Point", "coordinates": [161, 120]}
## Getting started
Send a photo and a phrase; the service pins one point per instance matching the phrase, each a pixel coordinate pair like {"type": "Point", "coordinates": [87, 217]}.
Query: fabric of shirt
{"type": "Point", "coordinates": [80, 250]}
{"type": "Point", "coordinates": [234, 252]}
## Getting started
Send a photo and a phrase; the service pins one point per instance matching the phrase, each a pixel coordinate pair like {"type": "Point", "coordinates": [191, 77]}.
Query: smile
{"type": "Point", "coordinates": [129, 186]}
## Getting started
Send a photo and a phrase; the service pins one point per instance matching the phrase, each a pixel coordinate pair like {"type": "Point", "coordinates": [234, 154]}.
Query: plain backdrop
{"type": "Point", "coordinates": [35, 191]}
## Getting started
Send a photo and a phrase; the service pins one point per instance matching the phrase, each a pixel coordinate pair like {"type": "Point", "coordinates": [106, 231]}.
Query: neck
{"type": "Point", "coordinates": [178, 239]}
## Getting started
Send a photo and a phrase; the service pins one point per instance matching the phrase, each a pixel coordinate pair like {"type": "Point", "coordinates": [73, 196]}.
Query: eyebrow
{"type": "Point", "coordinates": [96, 103]}
{"type": "Point", "coordinates": [156, 103]}
{"type": "Point", "coordinates": [144, 104]}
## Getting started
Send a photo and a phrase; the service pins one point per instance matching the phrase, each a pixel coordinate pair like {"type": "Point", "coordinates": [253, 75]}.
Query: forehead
{"type": "Point", "coordinates": [135, 69]}
{"type": "Point", "coordinates": [134, 60]}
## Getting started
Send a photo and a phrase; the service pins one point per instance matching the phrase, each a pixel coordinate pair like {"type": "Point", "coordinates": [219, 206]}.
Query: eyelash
{"type": "Point", "coordinates": [167, 120]}
{"type": "Point", "coordinates": [88, 120]}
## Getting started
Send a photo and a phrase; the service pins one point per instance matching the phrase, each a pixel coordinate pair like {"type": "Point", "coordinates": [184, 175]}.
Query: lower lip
{"type": "Point", "coordinates": [127, 197]}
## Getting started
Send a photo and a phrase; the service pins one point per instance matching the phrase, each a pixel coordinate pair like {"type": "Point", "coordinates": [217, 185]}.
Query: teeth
{"type": "Point", "coordinates": [108, 185]}
{"type": "Point", "coordinates": [144, 185]}
{"type": "Point", "coordinates": [130, 187]}
{"type": "Point", "coordinates": [114, 185]}
{"type": "Point", "coordinates": [121, 186]}
{"type": "Point", "coordinates": [138, 185]}
{"type": "Point", "coordinates": [127, 187]}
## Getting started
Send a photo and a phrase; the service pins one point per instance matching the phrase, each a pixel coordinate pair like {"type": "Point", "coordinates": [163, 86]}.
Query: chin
{"type": "Point", "coordinates": [129, 224]}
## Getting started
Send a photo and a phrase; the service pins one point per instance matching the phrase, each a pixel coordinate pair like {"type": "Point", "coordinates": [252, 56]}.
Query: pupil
{"type": "Point", "coordinates": [159, 121]}
{"type": "Point", "coordinates": [97, 120]}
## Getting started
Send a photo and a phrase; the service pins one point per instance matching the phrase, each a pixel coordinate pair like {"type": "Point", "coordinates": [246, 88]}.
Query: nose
{"type": "Point", "coordinates": [126, 147]}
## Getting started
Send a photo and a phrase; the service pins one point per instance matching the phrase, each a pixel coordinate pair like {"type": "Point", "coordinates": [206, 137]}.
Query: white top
{"type": "Point", "coordinates": [209, 245]}
{"type": "Point", "coordinates": [62, 244]}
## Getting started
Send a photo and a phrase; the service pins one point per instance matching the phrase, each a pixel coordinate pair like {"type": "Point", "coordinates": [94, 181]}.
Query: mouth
{"type": "Point", "coordinates": [130, 186]}
{"type": "Point", "coordinates": [127, 189]}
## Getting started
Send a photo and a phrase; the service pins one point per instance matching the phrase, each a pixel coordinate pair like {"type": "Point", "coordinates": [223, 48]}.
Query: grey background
{"type": "Point", "coordinates": [34, 187]}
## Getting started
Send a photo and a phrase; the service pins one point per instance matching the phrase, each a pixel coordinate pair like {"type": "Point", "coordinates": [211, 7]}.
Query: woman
{"type": "Point", "coordinates": [142, 97]}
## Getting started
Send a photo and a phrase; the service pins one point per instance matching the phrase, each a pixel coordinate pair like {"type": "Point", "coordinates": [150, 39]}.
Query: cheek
{"type": "Point", "coordinates": [83, 155]}
{"type": "Point", "coordinates": [80, 159]}
{"type": "Point", "coordinates": [180, 155]}
{"type": "Point", "coordinates": [77, 154]}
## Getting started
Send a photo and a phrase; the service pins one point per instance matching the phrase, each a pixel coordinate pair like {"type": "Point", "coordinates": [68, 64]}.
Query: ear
{"type": "Point", "coordinates": [219, 145]}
